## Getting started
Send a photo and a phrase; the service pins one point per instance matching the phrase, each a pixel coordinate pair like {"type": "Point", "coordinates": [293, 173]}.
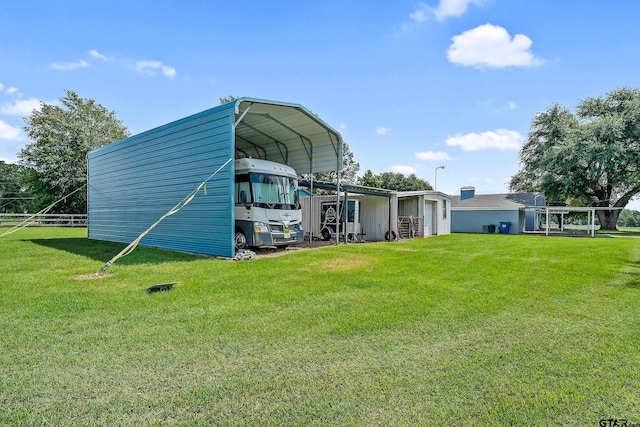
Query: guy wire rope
{"type": "Point", "coordinates": [28, 221]}
{"type": "Point", "coordinates": [126, 251]}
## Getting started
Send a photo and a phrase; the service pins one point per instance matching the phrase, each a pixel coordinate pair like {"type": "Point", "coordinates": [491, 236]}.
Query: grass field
{"type": "Point", "coordinates": [452, 330]}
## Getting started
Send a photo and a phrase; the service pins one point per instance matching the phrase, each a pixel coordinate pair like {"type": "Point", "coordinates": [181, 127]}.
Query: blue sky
{"type": "Point", "coordinates": [410, 85]}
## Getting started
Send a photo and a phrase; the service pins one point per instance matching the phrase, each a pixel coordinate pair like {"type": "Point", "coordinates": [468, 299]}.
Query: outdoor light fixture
{"type": "Point", "coordinates": [435, 181]}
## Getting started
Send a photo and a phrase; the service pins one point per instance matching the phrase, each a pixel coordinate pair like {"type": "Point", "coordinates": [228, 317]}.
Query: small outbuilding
{"type": "Point", "coordinates": [376, 214]}
{"type": "Point", "coordinates": [506, 213]}
{"type": "Point", "coordinates": [428, 211]}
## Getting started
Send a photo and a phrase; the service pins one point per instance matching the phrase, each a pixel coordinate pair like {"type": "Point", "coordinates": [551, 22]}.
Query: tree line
{"type": "Point", "coordinates": [53, 163]}
{"type": "Point", "coordinates": [587, 158]}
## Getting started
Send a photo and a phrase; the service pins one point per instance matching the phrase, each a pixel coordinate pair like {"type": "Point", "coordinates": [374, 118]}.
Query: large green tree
{"type": "Point", "coordinates": [12, 195]}
{"type": "Point", "coordinates": [629, 218]}
{"type": "Point", "coordinates": [348, 174]}
{"type": "Point", "coordinates": [394, 181]}
{"type": "Point", "coordinates": [227, 99]}
{"type": "Point", "coordinates": [61, 135]}
{"type": "Point", "coordinates": [591, 157]}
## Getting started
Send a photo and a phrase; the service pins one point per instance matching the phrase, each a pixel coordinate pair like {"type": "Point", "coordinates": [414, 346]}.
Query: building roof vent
{"type": "Point", "coordinates": [467, 192]}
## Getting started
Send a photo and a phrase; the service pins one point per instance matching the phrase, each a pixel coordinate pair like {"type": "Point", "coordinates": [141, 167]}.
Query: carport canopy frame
{"type": "Point", "coordinates": [563, 210]}
{"type": "Point", "coordinates": [286, 133]}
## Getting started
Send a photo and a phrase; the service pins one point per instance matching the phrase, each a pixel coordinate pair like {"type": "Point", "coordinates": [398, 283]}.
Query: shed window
{"type": "Point", "coordinates": [444, 209]}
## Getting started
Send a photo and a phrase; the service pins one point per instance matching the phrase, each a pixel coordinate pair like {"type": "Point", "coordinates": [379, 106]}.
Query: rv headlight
{"type": "Point", "coordinates": [261, 227]}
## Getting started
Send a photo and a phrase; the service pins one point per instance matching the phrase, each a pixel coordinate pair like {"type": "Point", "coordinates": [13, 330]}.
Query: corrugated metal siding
{"type": "Point", "coordinates": [133, 182]}
{"type": "Point", "coordinates": [311, 219]}
{"type": "Point", "coordinates": [374, 215]}
{"type": "Point", "coordinates": [408, 206]}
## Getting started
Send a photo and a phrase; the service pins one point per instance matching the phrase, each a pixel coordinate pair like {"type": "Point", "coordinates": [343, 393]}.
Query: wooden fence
{"type": "Point", "coordinates": [44, 220]}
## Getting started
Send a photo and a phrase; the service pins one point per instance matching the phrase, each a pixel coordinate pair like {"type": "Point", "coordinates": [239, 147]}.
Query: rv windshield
{"type": "Point", "coordinates": [274, 191]}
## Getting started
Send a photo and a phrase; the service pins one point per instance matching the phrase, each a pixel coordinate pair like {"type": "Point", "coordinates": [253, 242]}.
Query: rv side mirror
{"type": "Point", "coordinates": [243, 197]}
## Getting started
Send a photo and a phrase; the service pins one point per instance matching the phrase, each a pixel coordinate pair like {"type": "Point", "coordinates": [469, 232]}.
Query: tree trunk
{"type": "Point", "coordinates": [608, 219]}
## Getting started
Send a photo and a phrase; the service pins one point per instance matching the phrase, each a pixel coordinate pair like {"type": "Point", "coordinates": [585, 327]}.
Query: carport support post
{"type": "Point", "coordinates": [338, 164]}
{"type": "Point", "coordinates": [345, 211]}
{"type": "Point", "coordinates": [546, 216]}
{"type": "Point", "coordinates": [338, 211]}
{"type": "Point", "coordinates": [311, 216]}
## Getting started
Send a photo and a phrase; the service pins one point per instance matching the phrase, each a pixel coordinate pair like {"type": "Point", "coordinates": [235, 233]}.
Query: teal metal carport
{"type": "Point", "coordinates": [135, 181]}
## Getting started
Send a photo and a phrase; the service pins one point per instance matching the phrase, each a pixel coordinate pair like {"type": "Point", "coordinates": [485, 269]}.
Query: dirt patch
{"type": "Point", "coordinates": [344, 264]}
{"type": "Point", "coordinates": [279, 251]}
{"type": "Point", "coordinates": [91, 276]}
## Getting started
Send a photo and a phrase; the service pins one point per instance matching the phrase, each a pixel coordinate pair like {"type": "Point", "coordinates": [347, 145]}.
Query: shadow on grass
{"type": "Point", "coordinates": [634, 276]}
{"type": "Point", "coordinates": [633, 284]}
{"type": "Point", "coordinates": [104, 251]}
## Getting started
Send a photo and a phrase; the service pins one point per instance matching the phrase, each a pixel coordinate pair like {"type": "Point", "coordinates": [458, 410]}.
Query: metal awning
{"type": "Point", "coordinates": [286, 133]}
{"type": "Point", "coordinates": [349, 188]}
{"type": "Point", "coordinates": [564, 210]}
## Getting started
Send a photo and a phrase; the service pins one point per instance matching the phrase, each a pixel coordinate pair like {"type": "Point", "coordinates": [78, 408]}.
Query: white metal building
{"type": "Point", "coordinates": [386, 214]}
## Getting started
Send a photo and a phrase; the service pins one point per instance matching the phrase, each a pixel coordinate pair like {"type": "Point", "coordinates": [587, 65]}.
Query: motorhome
{"type": "Point", "coordinates": [267, 204]}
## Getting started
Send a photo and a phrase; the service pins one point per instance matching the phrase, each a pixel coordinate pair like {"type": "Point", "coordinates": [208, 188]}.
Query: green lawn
{"type": "Point", "coordinates": [452, 330]}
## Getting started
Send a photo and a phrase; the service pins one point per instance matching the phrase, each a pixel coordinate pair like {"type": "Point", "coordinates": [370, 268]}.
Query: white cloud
{"type": "Point", "coordinates": [453, 8]}
{"type": "Point", "coordinates": [417, 17]}
{"type": "Point", "coordinates": [150, 67]}
{"type": "Point", "coordinates": [403, 169]}
{"type": "Point", "coordinates": [8, 132]}
{"type": "Point", "coordinates": [382, 131]}
{"type": "Point", "coordinates": [20, 107]}
{"type": "Point", "coordinates": [498, 105]}
{"type": "Point", "coordinates": [94, 53]}
{"type": "Point", "coordinates": [1, 87]}
{"type": "Point", "coordinates": [502, 139]}
{"type": "Point", "coordinates": [420, 14]}
{"type": "Point", "coordinates": [65, 66]}
{"type": "Point", "coordinates": [13, 91]}
{"type": "Point", "coordinates": [445, 9]}
{"type": "Point", "coordinates": [433, 156]}
{"type": "Point", "coordinates": [491, 46]}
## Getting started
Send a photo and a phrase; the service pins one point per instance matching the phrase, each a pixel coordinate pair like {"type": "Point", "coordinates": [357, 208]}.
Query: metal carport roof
{"type": "Point", "coordinates": [563, 210]}
{"type": "Point", "coordinates": [349, 188]}
{"type": "Point", "coordinates": [286, 133]}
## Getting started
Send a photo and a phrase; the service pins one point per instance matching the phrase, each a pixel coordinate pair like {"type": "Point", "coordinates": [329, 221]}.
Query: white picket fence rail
{"type": "Point", "coordinates": [44, 220]}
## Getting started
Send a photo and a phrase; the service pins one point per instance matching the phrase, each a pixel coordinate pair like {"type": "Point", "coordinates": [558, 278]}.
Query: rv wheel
{"type": "Point", "coordinates": [326, 234]}
{"type": "Point", "coordinates": [240, 240]}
